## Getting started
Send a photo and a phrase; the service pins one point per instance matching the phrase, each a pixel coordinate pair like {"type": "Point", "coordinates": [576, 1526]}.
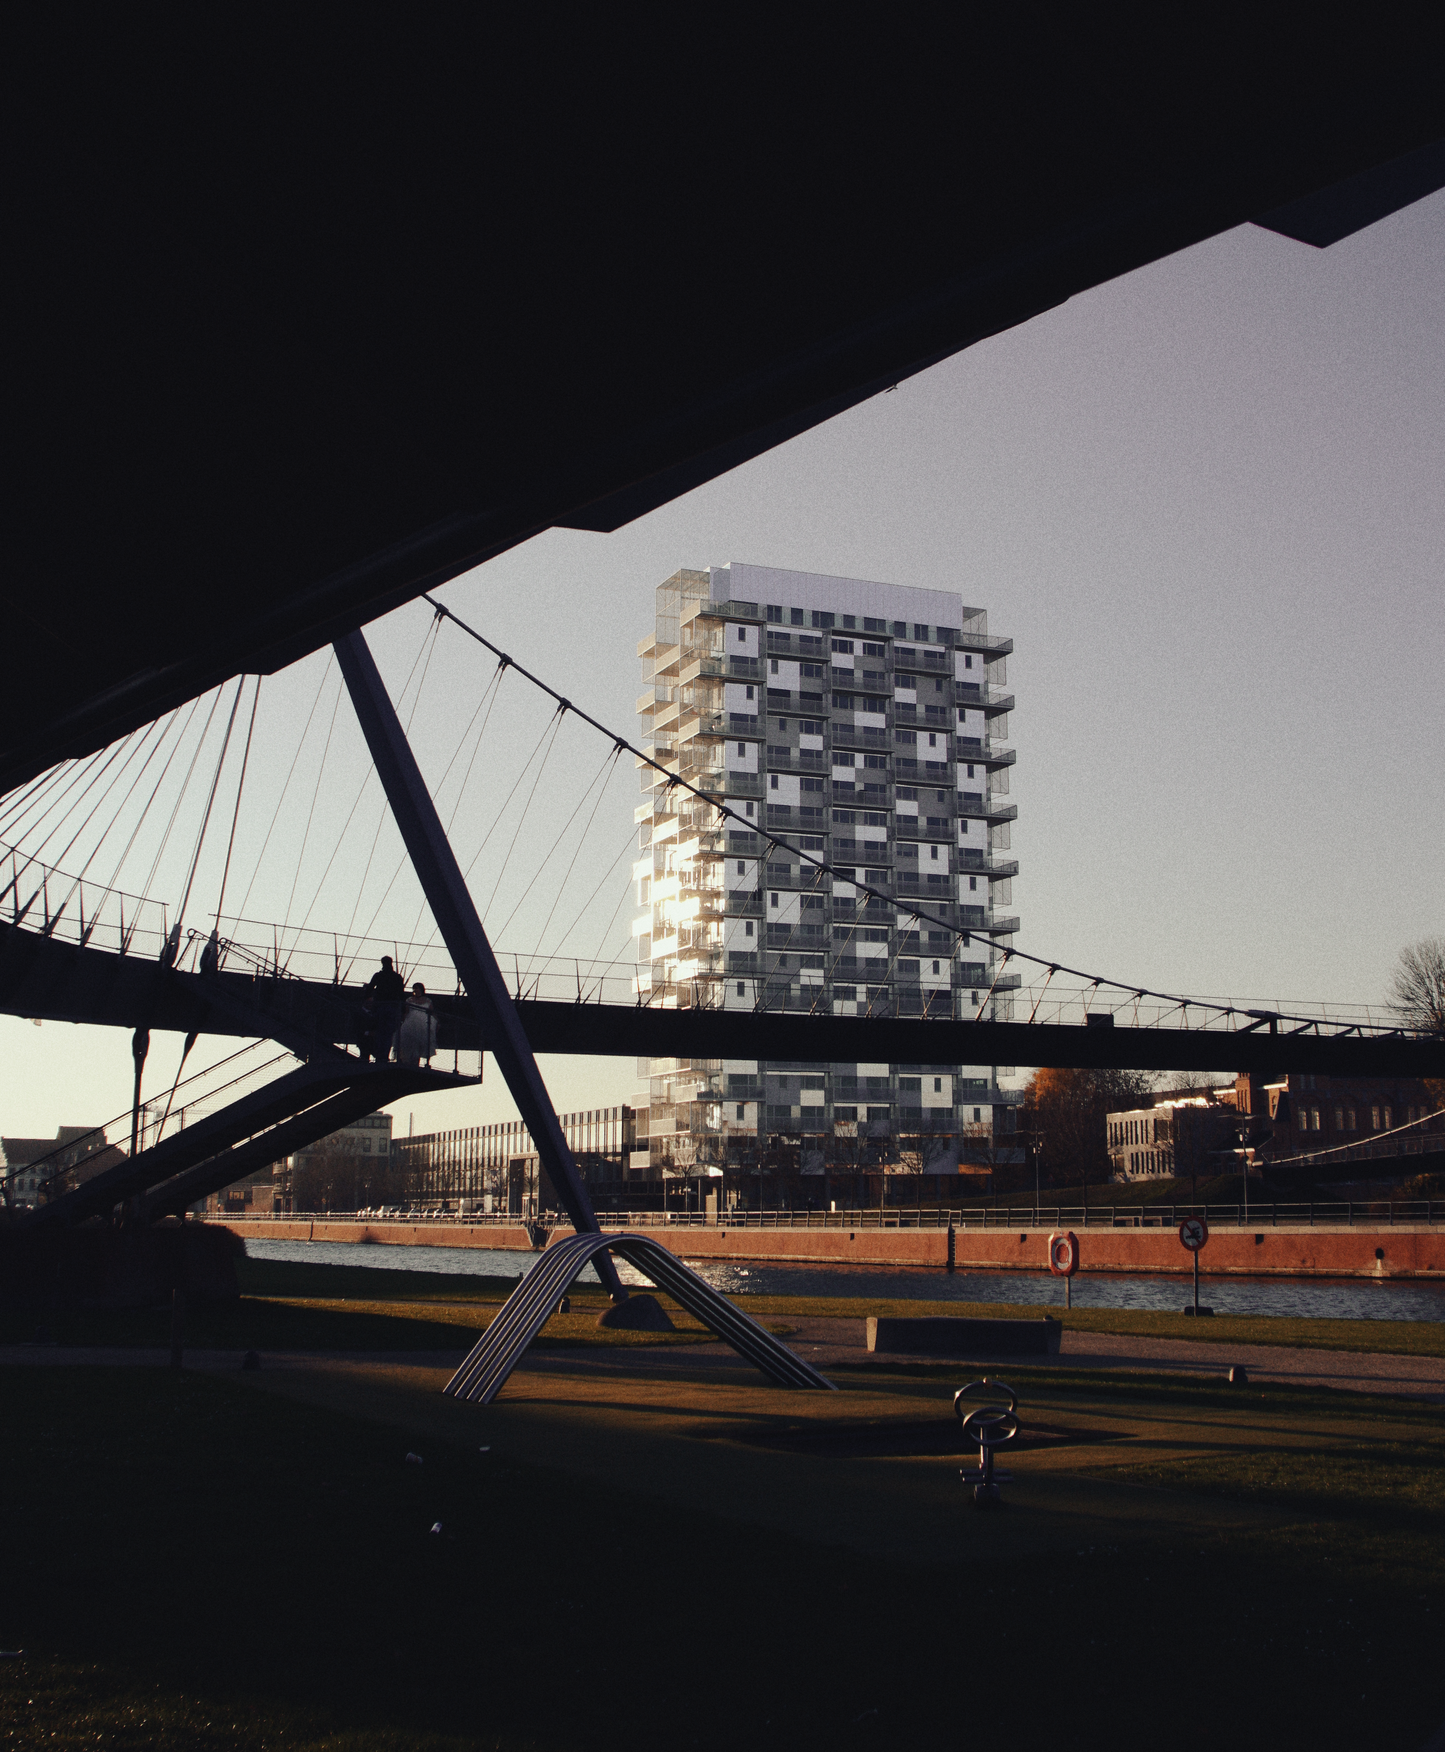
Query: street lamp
{"type": "Point", "coordinates": [1038, 1151]}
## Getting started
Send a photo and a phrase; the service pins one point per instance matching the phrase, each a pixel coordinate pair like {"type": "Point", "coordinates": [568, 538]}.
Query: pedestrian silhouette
{"type": "Point", "coordinates": [387, 989]}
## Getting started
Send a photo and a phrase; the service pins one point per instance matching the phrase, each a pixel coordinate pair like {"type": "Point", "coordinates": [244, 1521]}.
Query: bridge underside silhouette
{"type": "Point", "coordinates": [57, 981]}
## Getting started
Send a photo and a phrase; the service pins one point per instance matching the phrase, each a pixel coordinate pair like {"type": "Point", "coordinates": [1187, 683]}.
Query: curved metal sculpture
{"type": "Point", "coordinates": [498, 1351]}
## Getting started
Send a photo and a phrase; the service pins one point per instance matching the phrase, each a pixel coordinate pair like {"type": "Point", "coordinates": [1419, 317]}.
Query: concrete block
{"type": "Point", "coordinates": [947, 1335]}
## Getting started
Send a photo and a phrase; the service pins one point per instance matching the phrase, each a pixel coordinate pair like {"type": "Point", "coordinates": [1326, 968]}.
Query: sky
{"type": "Point", "coordinates": [1205, 502]}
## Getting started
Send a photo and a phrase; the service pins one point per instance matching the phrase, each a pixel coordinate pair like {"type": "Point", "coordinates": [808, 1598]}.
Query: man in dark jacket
{"type": "Point", "coordinates": [387, 989]}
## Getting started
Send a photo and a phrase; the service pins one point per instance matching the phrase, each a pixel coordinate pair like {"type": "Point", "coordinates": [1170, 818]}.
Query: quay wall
{"type": "Point", "coordinates": [1404, 1251]}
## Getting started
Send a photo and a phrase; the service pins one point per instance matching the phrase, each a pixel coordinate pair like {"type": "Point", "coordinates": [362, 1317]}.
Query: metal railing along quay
{"type": "Point", "coordinates": [1373, 1213]}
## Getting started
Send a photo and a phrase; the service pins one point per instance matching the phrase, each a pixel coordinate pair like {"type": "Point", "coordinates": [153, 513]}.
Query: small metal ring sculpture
{"type": "Point", "coordinates": [991, 1426]}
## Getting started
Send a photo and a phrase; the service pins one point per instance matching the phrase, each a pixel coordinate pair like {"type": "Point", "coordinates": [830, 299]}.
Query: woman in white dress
{"type": "Point", "coordinates": [417, 1039]}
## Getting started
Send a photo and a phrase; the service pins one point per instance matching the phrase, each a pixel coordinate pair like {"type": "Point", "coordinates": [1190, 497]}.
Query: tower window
{"type": "Point", "coordinates": [742, 748]}
{"type": "Point", "coordinates": [742, 635]}
{"type": "Point", "coordinates": [774, 612]}
{"type": "Point", "coordinates": [740, 989]}
{"type": "Point", "coordinates": [795, 615]}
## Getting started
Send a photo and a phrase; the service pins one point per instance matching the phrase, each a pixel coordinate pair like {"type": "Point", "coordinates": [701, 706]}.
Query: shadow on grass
{"type": "Point", "coordinates": [203, 1565]}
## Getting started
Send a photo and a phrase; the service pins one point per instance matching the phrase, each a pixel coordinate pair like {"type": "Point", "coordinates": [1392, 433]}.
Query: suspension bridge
{"type": "Point", "coordinates": [77, 948]}
{"type": "Point", "coordinates": [121, 767]}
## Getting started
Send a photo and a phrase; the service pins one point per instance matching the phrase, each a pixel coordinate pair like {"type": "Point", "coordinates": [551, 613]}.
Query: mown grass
{"type": "Point", "coordinates": [1412, 1338]}
{"type": "Point", "coordinates": [301, 1306]}
{"type": "Point", "coordinates": [304, 1307]}
{"type": "Point", "coordinates": [202, 1564]}
{"type": "Point", "coordinates": [1424, 1338]}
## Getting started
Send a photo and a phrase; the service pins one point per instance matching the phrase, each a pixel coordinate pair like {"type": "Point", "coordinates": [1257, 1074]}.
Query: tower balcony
{"type": "Point", "coordinates": [981, 809]}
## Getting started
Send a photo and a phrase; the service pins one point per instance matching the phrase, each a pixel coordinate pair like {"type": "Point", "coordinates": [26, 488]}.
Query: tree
{"type": "Point", "coordinates": [1417, 989]}
{"type": "Point", "coordinates": [335, 1175]}
{"type": "Point", "coordinates": [1065, 1111]}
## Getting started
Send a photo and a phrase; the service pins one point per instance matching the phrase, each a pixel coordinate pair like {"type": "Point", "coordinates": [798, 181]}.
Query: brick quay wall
{"type": "Point", "coordinates": [1295, 1250]}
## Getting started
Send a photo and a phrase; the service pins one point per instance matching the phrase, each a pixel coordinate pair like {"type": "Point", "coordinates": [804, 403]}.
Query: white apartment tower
{"type": "Point", "coordinates": [862, 723]}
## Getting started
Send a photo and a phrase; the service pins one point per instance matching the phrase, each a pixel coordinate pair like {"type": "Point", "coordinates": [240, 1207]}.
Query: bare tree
{"type": "Point", "coordinates": [1417, 990]}
{"type": "Point", "coordinates": [334, 1175]}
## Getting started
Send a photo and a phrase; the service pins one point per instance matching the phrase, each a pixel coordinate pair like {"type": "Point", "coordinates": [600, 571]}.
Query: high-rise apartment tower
{"type": "Point", "coordinates": [862, 723]}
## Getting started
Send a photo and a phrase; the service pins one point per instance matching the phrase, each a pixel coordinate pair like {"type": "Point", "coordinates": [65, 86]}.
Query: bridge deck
{"type": "Point", "coordinates": [57, 981]}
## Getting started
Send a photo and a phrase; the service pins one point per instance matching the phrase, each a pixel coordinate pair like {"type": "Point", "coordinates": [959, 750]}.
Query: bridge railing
{"type": "Point", "coordinates": [38, 897]}
{"type": "Point", "coordinates": [45, 899]}
{"type": "Point", "coordinates": [163, 1114]}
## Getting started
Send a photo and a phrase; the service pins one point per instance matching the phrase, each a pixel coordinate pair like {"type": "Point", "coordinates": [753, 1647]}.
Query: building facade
{"type": "Point", "coordinates": [1174, 1137]}
{"type": "Point", "coordinates": [35, 1169]}
{"type": "Point", "coordinates": [863, 724]}
{"type": "Point", "coordinates": [495, 1168]}
{"type": "Point", "coordinates": [1266, 1120]}
{"type": "Point", "coordinates": [1307, 1113]}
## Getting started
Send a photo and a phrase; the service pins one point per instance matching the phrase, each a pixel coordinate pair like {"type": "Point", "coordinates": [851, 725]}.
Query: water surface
{"type": "Point", "coordinates": [1336, 1299]}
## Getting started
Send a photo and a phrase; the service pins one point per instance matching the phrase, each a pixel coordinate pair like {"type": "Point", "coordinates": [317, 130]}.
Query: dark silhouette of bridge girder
{"type": "Point", "coordinates": [42, 977]}
{"type": "Point", "coordinates": [306, 321]}
{"type": "Point", "coordinates": [445, 887]}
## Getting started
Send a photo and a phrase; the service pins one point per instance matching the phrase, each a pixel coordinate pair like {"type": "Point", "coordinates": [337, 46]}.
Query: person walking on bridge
{"type": "Point", "coordinates": [388, 989]}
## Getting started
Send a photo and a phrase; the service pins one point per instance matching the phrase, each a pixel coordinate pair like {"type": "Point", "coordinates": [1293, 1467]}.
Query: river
{"type": "Point", "coordinates": [1312, 1298]}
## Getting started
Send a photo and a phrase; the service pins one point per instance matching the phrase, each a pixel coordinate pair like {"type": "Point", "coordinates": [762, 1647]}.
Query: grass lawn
{"type": "Point", "coordinates": [282, 1278]}
{"type": "Point", "coordinates": [692, 1557]}
{"type": "Point", "coordinates": [1410, 1338]}
{"type": "Point", "coordinates": [301, 1306]}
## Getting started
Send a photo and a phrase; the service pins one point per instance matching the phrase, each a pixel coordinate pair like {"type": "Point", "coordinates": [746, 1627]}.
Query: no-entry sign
{"type": "Point", "coordinates": [1193, 1233]}
{"type": "Point", "coordinates": [1064, 1254]}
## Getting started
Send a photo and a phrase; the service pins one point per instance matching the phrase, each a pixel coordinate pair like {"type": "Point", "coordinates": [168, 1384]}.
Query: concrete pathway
{"type": "Point", "coordinates": [828, 1343]}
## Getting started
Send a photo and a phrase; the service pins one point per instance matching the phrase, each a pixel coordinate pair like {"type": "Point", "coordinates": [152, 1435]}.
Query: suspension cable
{"type": "Point", "coordinates": [822, 865]}
{"type": "Point", "coordinates": [236, 812]}
{"type": "Point", "coordinates": [301, 743]}
{"type": "Point", "coordinates": [311, 812]}
{"type": "Point", "coordinates": [181, 794]}
{"type": "Point", "coordinates": [211, 800]}
{"type": "Point", "coordinates": [604, 775]}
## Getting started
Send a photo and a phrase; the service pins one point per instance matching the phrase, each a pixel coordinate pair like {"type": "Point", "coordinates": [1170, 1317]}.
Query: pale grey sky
{"type": "Point", "coordinates": [1205, 501]}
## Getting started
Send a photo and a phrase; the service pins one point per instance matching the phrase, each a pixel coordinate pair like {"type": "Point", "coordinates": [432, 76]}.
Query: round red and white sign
{"type": "Point", "coordinates": [1064, 1254]}
{"type": "Point", "coordinates": [1193, 1233]}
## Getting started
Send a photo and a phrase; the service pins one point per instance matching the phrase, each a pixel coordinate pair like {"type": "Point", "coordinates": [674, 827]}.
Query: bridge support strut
{"type": "Point", "coordinates": [446, 892]}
